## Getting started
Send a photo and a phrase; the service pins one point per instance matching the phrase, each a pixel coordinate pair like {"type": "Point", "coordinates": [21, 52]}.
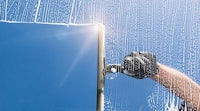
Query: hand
{"type": "Point", "coordinates": [140, 65]}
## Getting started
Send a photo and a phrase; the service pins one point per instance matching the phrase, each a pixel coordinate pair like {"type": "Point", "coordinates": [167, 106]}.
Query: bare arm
{"type": "Point", "coordinates": [179, 84]}
{"type": "Point", "coordinates": [143, 64]}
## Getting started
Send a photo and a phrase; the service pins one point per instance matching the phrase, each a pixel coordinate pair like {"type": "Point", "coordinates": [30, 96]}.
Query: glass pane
{"type": "Point", "coordinates": [167, 28]}
{"type": "Point", "coordinates": [48, 67]}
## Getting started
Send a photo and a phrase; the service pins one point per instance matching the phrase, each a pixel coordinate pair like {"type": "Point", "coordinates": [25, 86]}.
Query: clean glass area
{"type": "Point", "coordinates": [48, 67]}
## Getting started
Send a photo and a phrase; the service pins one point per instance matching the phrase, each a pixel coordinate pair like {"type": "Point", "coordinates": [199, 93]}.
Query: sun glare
{"type": "Point", "coordinates": [92, 32]}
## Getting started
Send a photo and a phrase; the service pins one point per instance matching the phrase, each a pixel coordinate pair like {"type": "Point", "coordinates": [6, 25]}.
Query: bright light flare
{"type": "Point", "coordinates": [92, 32]}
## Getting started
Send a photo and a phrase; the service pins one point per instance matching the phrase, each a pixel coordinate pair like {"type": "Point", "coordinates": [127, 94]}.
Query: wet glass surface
{"type": "Point", "coordinates": [167, 28]}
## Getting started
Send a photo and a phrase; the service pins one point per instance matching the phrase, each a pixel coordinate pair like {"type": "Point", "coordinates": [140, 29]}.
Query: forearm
{"type": "Point", "coordinates": [179, 84]}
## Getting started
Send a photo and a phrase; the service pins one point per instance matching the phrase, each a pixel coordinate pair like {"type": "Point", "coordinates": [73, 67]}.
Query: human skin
{"type": "Point", "coordinates": [179, 84]}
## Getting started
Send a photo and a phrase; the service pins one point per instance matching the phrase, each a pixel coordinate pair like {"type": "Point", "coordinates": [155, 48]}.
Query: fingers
{"type": "Point", "coordinates": [139, 59]}
{"type": "Point", "coordinates": [139, 64]}
{"type": "Point", "coordinates": [145, 59]}
{"type": "Point", "coordinates": [143, 62]}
